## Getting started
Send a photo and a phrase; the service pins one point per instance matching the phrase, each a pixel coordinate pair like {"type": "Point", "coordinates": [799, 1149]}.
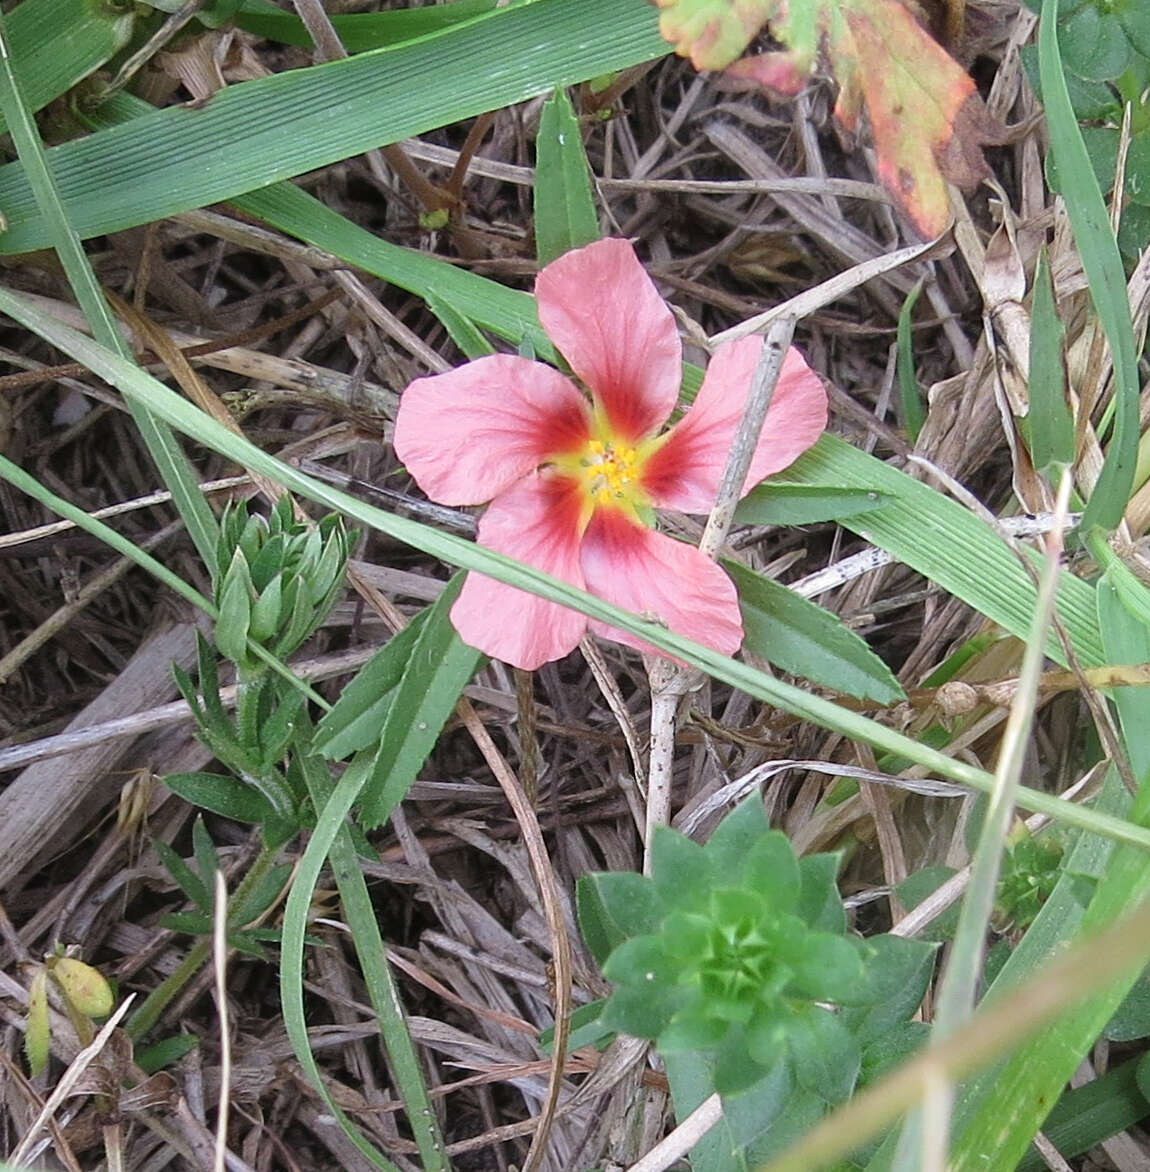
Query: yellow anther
{"type": "Point", "coordinates": [597, 447]}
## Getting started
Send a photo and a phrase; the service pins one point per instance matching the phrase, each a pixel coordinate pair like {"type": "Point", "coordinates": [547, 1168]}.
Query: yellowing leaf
{"type": "Point", "coordinates": [37, 1033]}
{"type": "Point", "coordinates": [85, 987]}
{"type": "Point", "coordinates": [928, 122]}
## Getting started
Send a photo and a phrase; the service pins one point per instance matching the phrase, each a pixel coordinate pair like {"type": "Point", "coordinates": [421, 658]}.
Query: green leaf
{"type": "Point", "coordinates": [186, 879]}
{"type": "Point", "coordinates": [739, 830]}
{"type": "Point", "coordinates": [564, 209]}
{"type": "Point", "coordinates": [165, 1052]}
{"type": "Point", "coordinates": [38, 1027]}
{"type": "Point", "coordinates": [769, 867]}
{"type": "Point", "coordinates": [56, 43]}
{"type": "Point", "coordinates": [433, 679]}
{"type": "Point", "coordinates": [1094, 45]}
{"type": "Point", "coordinates": [778, 503]}
{"type": "Point", "coordinates": [820, 906]}
{"type": "Point", "coordinates": [221, 794]}
{"type": "Point", "coordinates": [681, 870]}
{"type": "Point", "coordinates": [797, 636]}
{"type": "Point", "coordinates": [1105, 275]}
{"type": "Point", "coordinates": [249, 136]}
{"type": "Point", "coordinates": [356, 720]}
{"type": "Point", "coordinates": [826, 1058]}
{"type": "Point", "coordinates": [1049, 423]}
{"type": "Point", "coordinates": [360, 31]}
{"type": "Point", "coordinates": [1084, 1117]}
{"type": "Point", "coordinates": [613, 907]}
{"type": "Point", "coordinates": [1131, 1019]}
{"type": "Point", "coordinates": [909, 392]}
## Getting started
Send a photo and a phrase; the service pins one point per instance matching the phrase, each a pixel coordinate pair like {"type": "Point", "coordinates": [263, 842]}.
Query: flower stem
{"type": "Point", "coordinates": [669, 682]}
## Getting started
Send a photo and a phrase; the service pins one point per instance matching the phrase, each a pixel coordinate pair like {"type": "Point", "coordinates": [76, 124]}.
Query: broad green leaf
{"type": "Point", "coordinates": [1050, 427]}
{"type": "Point", "coordinates": [798, 636]}
{"type": "Point", "coordinates": [440, 667]}
{"type": "Point", "coordinates": [779, 503]}
{"type": "Point", "coordinates": [1103, 266]}
{"type": "Point", "coordinates": [248, 136]}
{"type": "Point", "coordinates": [564, 208]}
{"type": "Point", "coordinates": [613, 907]}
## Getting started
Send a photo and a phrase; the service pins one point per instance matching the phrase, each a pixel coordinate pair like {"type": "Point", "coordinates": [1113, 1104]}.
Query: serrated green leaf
{"type": "Point", "coordinates": [564, 208]}
{"type": "Point", "coordinates": [221, 794]}
{"type": "Point", "coordinates": [779, 503]}
{"type": "Point", "coordinates": [797, 636]}
{"type": "Point", "coordinates": [356, 720]}
{"type": "Point", "coordinates": [433, 678]}
{"type": "Point", "coordinates": [1049, 423]}
{"type": "Point", "coordinates": [186, 879]}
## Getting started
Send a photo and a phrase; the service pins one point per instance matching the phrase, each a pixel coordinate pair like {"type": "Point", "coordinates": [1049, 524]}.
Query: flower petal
{"type": "Point", "coordinates": [653, 574]}
{"type": "Point", "coordinates": [602, 311]}
{"type": "Point", "coordinates": [685, 472]}
{"type": "Point", "coordinates": [537, 522]}
{"type": "Point", "coordinates": [468, 434]}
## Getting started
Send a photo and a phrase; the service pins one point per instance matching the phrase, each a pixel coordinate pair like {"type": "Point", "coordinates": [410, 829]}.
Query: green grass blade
{"type": "Point", "coordinates": [909, 392]}
{"type": "Point", "coordinates": [799, 637]}
{"type": "Point", "coordinates": [1103, 266]}
{"type": "Point", "coordinates": [1031, 1080]}
{"type": "Point", "coordinates": [359, 31]}
{"type": "Point", "coordinates": [1050, 427]}
{"type": "Point", "coordinates": [436, 673]}
{"type": "Point", "coordinates": [161, 443]}
{"type": "Point", "coordinates": [56, 43]}
{"type": "Point", "coordinates": [178, 412]}
{"type": "Point", "coordinates": [564, 209]}
{"type": "Point", "coordinates": [948, 544]}
{"type": "Point", "coordinates": [251, 135]}
{"type": "Point", "coordinates": [330, 823]}
{"type": "Point", "coordinates": [363, 922]}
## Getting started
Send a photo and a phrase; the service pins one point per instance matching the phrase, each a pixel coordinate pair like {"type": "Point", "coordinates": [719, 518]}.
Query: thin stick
{"type": "Point", "coordinates": [669, 683]}
{"type": "Point", "coordinates": [220, 949]}
{"type": "Point", "coordinates": [683, 1138]}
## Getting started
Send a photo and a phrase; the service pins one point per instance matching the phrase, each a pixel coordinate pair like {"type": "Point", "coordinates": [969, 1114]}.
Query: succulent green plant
{"type": "Point", "coordinates": [738, 953]}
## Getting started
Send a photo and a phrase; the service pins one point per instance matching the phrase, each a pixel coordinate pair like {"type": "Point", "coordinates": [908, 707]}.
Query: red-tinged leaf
{"type": "Point", "coordinates": [928, 122]}
{"type": "Point", "coordinates": [713, 32]}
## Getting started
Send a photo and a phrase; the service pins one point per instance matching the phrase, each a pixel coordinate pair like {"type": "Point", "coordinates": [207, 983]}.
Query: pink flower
{"type": "Point", "coordinates": [574, 483]}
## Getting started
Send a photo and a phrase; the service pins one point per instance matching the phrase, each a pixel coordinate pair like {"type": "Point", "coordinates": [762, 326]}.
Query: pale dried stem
{"type": "Point", "coordinates": [669, 682]}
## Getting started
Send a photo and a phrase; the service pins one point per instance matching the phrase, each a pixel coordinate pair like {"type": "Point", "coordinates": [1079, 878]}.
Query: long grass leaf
{"type": "Point", "coordinates": [161, 443]}
{"type": "Point", "coordinates": [251, 135]}
{"type": "Point", "coordinates": [56, 43]}
{"type": "Point", "coordinates": [1104, 273]}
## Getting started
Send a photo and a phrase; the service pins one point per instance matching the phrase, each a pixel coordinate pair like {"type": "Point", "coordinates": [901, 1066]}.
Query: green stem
{"type": "Point", "coordinates": [142, 1021]}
